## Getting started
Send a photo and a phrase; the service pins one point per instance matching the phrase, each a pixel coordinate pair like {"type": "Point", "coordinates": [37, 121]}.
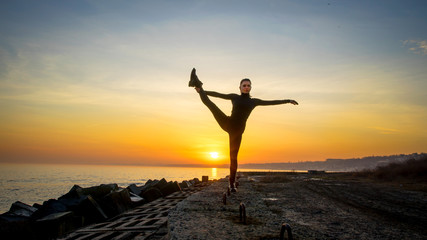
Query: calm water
{"type": "Point", "coordinates": [37, 183]}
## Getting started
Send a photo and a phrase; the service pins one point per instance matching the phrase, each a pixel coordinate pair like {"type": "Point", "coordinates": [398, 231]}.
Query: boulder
{"type": "Point", "coordinates": [36, 205]}
{"type": "Point", "coordinates": [196, 181]}
{"type": "Point", "coordinates": [17, 222]}
{"type": "Point", "coordinates": [149, 181]}
{"type": "Point", "coordinates": [16, 227]}
{"type": "Point", "coordinates": [21, 209]}
{"type": "Point", "coordinates": [152, 194]}
{"type": "Point", "coordinates": [72, 203]}
{"type": "Point", "coordinates": [135, 189]}
{"type": "Point", "coordinates": [75, 192]}
{"type": "Point", "coordinates": [136, 199]}
{"type": "Point", "coordinates": [90, 210]}
{"type": "Point", "coordinates": [98, 192]}
{"type": "Point", "coordinates": [116, 202]}
{"type": "Point", "coordinates": [149, 194]}
{"type": "Point", "coordinates": [169, 188]}
{"type": "Point", "coordinates": [149, 184]}
{"type": "Point", "coordinates": [50, 206]}
{"type": "Point", "coordinates": [184, 185]}
{"type": "Point", "coordinates": [56, 225]}
{"type": "Point", "coordinates": [159, 184]}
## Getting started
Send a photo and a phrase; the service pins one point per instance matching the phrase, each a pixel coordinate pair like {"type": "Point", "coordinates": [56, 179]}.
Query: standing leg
{"type": "Point", "coordinates": [235, 140]}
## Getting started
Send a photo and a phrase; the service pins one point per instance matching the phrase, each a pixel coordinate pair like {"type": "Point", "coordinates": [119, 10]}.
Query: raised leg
{"type": "Point", "coordinates": [220, 117]}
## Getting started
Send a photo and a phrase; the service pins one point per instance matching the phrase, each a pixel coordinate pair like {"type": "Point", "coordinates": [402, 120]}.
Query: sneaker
{"type": "Point", "coordinates": [194, 80]}
{"type": "Point", "coordinates": [233, 188]}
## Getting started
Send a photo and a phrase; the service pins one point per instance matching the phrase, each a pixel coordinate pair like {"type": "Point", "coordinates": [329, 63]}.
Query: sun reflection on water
{"type": "Point", "coordinates": [214, 173]}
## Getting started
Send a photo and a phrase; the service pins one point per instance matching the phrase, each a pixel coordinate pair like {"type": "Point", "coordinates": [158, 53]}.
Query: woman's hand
{"type": "Point", "coordinates": [293, 102]}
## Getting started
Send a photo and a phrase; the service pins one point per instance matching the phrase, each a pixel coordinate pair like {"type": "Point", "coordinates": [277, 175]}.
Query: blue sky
{"type": "Point", "coordinates": [358, 69]}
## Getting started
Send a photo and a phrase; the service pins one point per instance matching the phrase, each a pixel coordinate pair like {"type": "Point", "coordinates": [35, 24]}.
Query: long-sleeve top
{"type": "Point", "coordinates": [242, 106]}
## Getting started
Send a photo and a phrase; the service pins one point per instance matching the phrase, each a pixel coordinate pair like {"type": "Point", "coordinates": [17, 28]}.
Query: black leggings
{"type": "Point", "coordinates": [234, 133]}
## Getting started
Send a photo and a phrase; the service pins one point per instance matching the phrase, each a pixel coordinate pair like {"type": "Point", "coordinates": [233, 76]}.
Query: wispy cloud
{"type": "Point", "coordinates": [416, 46]}
{"type": "Point", "coordinates": [382, 130]}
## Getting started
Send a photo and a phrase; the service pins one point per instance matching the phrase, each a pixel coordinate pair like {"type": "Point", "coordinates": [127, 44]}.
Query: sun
{"type": "Point", "coordinates": [214, 155]}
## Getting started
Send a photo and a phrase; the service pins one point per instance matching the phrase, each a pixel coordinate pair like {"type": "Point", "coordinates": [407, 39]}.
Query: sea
{"type": "Point", "coordinates": [36, 183]}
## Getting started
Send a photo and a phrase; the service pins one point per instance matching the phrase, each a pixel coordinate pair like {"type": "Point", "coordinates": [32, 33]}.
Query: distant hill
{"type": "Point", "coordinates": [341, 165]}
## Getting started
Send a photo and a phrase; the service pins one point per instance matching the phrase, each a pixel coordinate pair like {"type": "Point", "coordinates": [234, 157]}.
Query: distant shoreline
{"type": "Point", "coordinates": [331, 164]}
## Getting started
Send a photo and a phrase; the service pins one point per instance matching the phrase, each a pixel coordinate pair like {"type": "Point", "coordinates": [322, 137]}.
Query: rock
{"type": "Point", "coordinates": [17, 222]}
{"type": "Point", "coordinates": [56, 225]}
{"type": "Point", "coordinates": [116, 202]}
{"type": "Point", "coordinates": [205, 179]}
{"type": "Point", "coordinates": [15, 227]}
{"type": "Point", "coordinates": [75, 192]}
{"type": "Point", "coordinates": [10, 217]}
{"type": "Point", "coordinates": [184, 185]}
{"type": "Point", "coordinates": [171, 187]}
{"type": "Point", "coordinates": [21, 209]}
{"type": "Point", "coordinates": [90, 210]}
{"type": "Point", "coordinates": [72, 203]}
{"type": "Point", "coordinates": [160, 184]}
{"type": "Point", "coordinates": [50, 206]}
{"type": "Point", "coordinates": [152, 194]}
{"type": "Point", "coordinates": [96, 203]}
{"type": "Point", "coordinates": [196, 181]}
{"type": "Point", "coordinates": [135, 189]}
{"type": "Point", "coordinates": [149, 181]}
{"type": "Point", "coordinates": [98, 192]}
{"type": "Point", "coordinates": [149, 184]}
{"type": "Point", "coordinates": [136, 199]}
{"type": "Point", "coordinates": [152, 189]}
{"type": "Point", "coordinates": [36, 205]}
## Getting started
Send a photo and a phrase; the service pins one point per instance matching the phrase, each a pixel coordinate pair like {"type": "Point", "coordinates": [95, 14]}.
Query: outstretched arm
{"type": "Point", "coordinates": [274, 102]}
{"type": "Point", "coordinates": [217, 94]}
{"type": "Point", "coordinates": [220, 95]}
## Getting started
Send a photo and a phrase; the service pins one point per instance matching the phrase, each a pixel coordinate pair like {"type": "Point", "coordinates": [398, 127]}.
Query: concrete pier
{"type": "Point", "coordinates": [148, 221]}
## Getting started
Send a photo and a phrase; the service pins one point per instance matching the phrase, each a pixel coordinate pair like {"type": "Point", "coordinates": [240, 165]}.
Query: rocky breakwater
{"type": "Point", "coordinates": [82, 206]}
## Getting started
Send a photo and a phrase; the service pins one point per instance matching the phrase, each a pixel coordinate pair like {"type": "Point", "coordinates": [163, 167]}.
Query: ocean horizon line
{"type": "Point", "coordinates": [331, 164]}
{"type": "Point", "coordinates": [120, 164]}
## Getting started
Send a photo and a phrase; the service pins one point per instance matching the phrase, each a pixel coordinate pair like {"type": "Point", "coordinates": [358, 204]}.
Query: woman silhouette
{"type": "Point", "coordinates": [234, 124]}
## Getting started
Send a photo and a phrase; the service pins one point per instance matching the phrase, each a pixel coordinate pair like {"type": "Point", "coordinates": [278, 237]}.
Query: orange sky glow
{"type": "Point", "coordinates": [108, 84]}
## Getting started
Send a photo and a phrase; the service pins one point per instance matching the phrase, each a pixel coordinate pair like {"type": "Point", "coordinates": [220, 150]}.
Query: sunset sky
{"type": "Point", "coordinates": [106, 82]}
